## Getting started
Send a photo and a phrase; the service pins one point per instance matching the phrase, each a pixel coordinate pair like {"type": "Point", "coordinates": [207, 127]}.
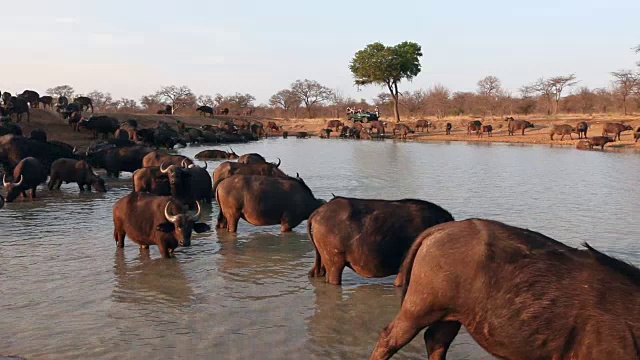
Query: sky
{"type": "Point", "coordinates": [131, 48]}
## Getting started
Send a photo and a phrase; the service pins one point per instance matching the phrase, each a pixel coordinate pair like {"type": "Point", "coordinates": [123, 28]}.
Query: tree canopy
{"type": "Point", "coordinates": [387, 66]}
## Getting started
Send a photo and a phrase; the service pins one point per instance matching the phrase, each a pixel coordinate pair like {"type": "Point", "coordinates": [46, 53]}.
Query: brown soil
{"type": "Point", "coordinates": [58, 129]}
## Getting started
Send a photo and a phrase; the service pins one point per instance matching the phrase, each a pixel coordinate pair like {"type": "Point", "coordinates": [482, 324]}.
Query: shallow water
{"type": "Point", "coordinates": [67, 292]}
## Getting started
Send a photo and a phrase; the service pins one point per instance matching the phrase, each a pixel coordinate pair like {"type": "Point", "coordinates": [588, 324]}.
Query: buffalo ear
{"type": "Point", "coordinates": [201, 227]}
{"type": "Point", "coordinates": [166, 227]}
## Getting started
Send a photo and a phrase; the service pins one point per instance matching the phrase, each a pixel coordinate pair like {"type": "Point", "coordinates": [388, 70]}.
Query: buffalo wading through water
{"type": "Point", "coordinates": [228, 168]}
{"type": "Point", "coordinates": [371, 236]}
{"type": "Point", "coordinates": [149, 219]}
{"type": "Point", "coordinates": [216, 155]}
{"type": "Point", "coordinates": [263, 201]}
{"type": "Point", "coordinates": [28, 174]}
{"type": "Point", "coordinates": [75, 171]}
{"type": "Point", "coordinates": [519, 294]}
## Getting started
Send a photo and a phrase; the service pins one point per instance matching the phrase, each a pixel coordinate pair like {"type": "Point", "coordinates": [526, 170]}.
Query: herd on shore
{"type": "Point", "coordinates": [520, 294]}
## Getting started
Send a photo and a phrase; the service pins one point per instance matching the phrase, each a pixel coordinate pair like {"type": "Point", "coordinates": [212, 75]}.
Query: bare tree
{"type": "Point", "coordinates": [338, 101]}
{"type": "Point", "coordinates": [586, 99]}
{"type": "Point", "coordinates": [206, 100]}
{"type": "Point", "coordinates": [150, 103]}
{"type": "Point", "coordinates": [437, 100]}
{"type": "Point", "coordinates": [414, 101]}
{"type": "Point", "coordinates": [489, 86]}
{"type": "Point", "coordinates": [626, 82]}
{"type": "Point", "coordinates": [545, 89]}
{"type": "Point", "coordinates": [310, 93]}
{"type": "Point", "coordinates": [101, 101]}
{"type": "Point", "coordinates": [126, 105]}
{"type": "Point", "coordinates": [287, 100]}
{"type": "Point", "coordinates": [177, 97]}
{"type": "Point", "coordinates": [558, 83]}
{"type": "Point", "coordinates": [61, 90]}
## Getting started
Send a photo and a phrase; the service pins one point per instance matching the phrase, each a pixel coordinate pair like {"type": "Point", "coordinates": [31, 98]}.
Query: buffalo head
{"type": "Point", "coordinates": [232, 154]}
{"type": "Point", "coordinates": [176, 174]}
{"type": "Point", "coordinates": [182, 225]}
{"type": "Point", "coordinates": [13, 188]}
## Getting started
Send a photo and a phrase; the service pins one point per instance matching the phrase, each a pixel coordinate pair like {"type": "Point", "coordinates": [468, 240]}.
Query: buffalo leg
{"type": "Point", "coordinates": [52, 181]}
{"type": "Point", "coordinates": [334, 273]}
{"type": "Point", "coordinates": [118, 236]}
{"type": "Point", "coordinates": [24, 194]}
{"type": "Point", "coordinates": [439, 336]}
{"type": "Point", "coordinates": [402, 330]}
{"type": "Point", "coordinates": [81, 186]}
{"type": "Point", "coordinates": [222, 221]}
{"type": "Point", "coordinates": [58, 184]}
{"type": "Point", "coordinates": [32, 193]}
{"type": "Point", "coordinates": [318, 269]}
{"type": "Point", "coordinates": [164, 251]}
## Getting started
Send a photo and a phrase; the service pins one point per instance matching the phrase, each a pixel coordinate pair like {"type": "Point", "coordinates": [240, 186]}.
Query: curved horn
{"type": "Point", "coordinates": [164, 171]}
{"type": "Point", "coordinates": [184, 163]}
{"type": "Point", "coordinates": [205, 165]}
{"type": "Point", "coordinates": [196, 216]}
{"type": "Point", "coordinates": [170, 218]}
{"type": "Point", "coordinates": [279, 162]}
{"type": "Point", "coordinates": [233, 152]}
{"type": "Point", "coordinates": [19, 182]}
{"type": "Point", "coordinates": [332, 194]}
{"type": "Point", "coordinates": [4, 181]}
{"type": "Point", "coordinates": [298, 175]}
{"type": "Point", "coordinates": [74, 150]}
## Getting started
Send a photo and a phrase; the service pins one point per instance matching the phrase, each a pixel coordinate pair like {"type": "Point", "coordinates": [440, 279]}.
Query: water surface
{"type": "Point", "coordinates": [67, 292]}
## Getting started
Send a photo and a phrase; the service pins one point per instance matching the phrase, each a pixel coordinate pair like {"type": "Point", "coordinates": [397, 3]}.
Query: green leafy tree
{"type": "Point", "coordinates": [387, 66]}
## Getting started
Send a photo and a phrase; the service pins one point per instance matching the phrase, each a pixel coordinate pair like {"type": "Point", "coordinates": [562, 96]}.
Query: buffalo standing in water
{"type": "Point", "coordinates": [264, 200]}
{"type": "Point", "coordinates": [520, 295]}
{"type": "Point", "coordinates": [227, 169]}
{"type": "Point", "coordinates": [155, 220]}
{"type": "Point", "coordinates": [28, 174]}
{"type": "Point", "coordinates": [77, 171]}
{"type": "Point", "coordinates": [216, 155]}
{"type": "Point", "coordinates": [371, 236]}
{"type": "Point", "coordinates": [600, 141]}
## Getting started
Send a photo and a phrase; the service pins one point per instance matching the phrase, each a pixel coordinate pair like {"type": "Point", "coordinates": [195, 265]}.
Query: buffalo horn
{"type": "Point", "coordinates": [279, 162]}
{"type": "Point", "coordinates": [205, 165]}
{"type": "Point", "coordinates": [19, 182]}
{"type": "Point", "coordinates": [162, 170]}
{"type": "Point", "coordinates": [170, 218]}
{"type": "Point", "coordinates": [196, 216]}
{"type": "Point", "coordinates": [184, 163]}
{"type": "Point", "coordinates": [4, 181]}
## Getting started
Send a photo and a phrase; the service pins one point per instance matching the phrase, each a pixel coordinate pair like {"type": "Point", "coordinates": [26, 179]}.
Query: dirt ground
{"type": "Point", "coordinates": [58, 129]}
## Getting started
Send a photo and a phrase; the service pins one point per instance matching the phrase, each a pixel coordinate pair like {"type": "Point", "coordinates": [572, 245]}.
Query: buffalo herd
{"type": "Point", "coordinates": [520, 294]}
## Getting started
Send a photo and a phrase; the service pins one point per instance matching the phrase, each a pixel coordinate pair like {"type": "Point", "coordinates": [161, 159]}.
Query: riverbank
{"type": "Point", "coordinates": [58, 129]}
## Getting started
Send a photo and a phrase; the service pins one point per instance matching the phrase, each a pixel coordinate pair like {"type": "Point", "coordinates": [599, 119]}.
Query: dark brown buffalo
{"type": "Point", "coordinates": [475, 125]}
{"type": "Point", "coordinates": [615, 129]}
{"type": "Point", "coordinates": [264, 200]}
{"type": "Point", "coordinates": [121, 134]}
{"type": "Point", "coordinates": [75, 171]}
{"type": "Point", "coordinates": [227, 169]}
{"type": "Point", "coordinates": [424, 124]}
{"type": "Point", "coordinates": [63, 145]}
{"type": "Point", "coordinates": [46, 101]}
{"type": "Point", "coordinates": [447, 128]}
{"type": "Point", "coordinates": [600, 141]}
{"type": "Point", "coordinates": [216, 155]}
{"type": "Point", "coordinates": [253, 158]}
{"type": "Point", "coordinates": [19, 107]}
{"type": "Point", "coordinates": [285, 134]}
{"type": "Point", "coordinates": [486, 129]}
{"type": "Point", "coordinates": [200, 184]}
{"type": "Point", "coordinates": [563, 130]}
{"type": "Point", "coordinates": [151, 179]}
{"type": "Point", "coordinates": [403, 130]}
{"type": "Point", "coordinates": [517, 125]}
{"type": "Point", "coordinates": [326, 133]}
{"type": "Point", "coordinates": [519, 294]}
{"type": "Point", "coordinates": [205, 110]}
{"type": "Point", "coordinates": [26, 176]}
{"type": "Point", "coordinates": [62, 103]}
{"type": "Point", "coordinates": [334, 124]}
{"type": "Point", "coordinates": [584, 145]}
{"type": "Point", "coordinates": [582, 128]}
{"type": "Point", "coordinates": [101, 124]}
{"type": "Point", "coordinates": [379, 126]}
{"type": "Point", "coordinates": [149, 219]}
{"type": "Point", "coordinates": [1, 201]}
{"type": "Point", "coordinates": [15, 148]}
{"type": "Point", "coordinates": [38, 135]}
{"type": "Point", "coordinates": [6, 97]}
{"type": "Point", "coordinates": [84, 102]}
{"type": "Point", "coordinates": [32, 97]}
{"type": "Point", "coordinates": [115, 160]}
{"type": "Point", "coordinates": [156, 158]}
{"type": "Point", "coordinates": [189, 184]}
{"type": "Point", "coordinates": [371, 237]}
{"type": "Point", "coordinates": [10, 129]}
{"type": "Point", "coordinates": [302, 135]}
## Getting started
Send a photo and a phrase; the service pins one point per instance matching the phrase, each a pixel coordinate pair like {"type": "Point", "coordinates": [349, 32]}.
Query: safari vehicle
{"type": "Point", "coordinates": [363, 117]}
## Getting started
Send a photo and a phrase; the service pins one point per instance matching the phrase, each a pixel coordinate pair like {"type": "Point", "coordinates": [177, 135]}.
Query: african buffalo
{"type": "Point", "coordinates": [216, 155]}
{"type": "Point", "coordinates": [486, 129]}
{"type": "Point", "coordinates": [205, 110]}
{"type": "Point", "coordinates": [285, 134]}
{"type": "Point", "coordinates": [371, 236]}
{"type": "Point", "coordinates": [62, 103]}
{"type": "Point", "coordinates": [84, 102]}
{"type": "Point", "coordinates": [1, 201]}
{"type": "Point", "coordinates": [475, 125]}
{"type": "Point", "coordinates": [156, 158]}
{"type": "Point", "coordinates": [77, 171]}
{"type": "Point", "coordinates": [180, 183]}
{"type": "Point", "coordinates": [252, 158]}
{"type": "Point", "coordinates": [15, 148]}
{"type": "Point", "coordinates": [28, 174]}
{"type": "Point", "coordinates": [584, 145]}
{"type": "Point", "coordinates": [6, 97]}
{"type": "Point", "coordinates": [150, 219]}
{"type": "Point", "coordinates": [519, 294]}
{"type": "Point", "coordinates": [615, 129]}
{"type": "Point", "coordinates": [424, 124]}
{"type": "Point", "coordinates": [117, 159]}
{"type": "Point", "coordinates": [32, 97]}
{"type": "Point", "coordinates": [264, 200]}
{"type": "Point", "coordinates": [563, 130]}
{"type": "Point", "coordinates": [18, 106]}
{"type": "Point", "coordinates": [448, 127]}
{"type": "Point", "coordinates": [200, 183]}
{"type": "Point", "coordinates": [46, 101]}
{"type": "Point", "coordinates": [64, 145]}
{"type": "Point", "coordinates": [326, 133]}
{"type": "Point", "coordinates": [364, 135]}
{"type": "Point", "coordinates": [582, 128]}
{"type": "Point", "coordinates": [101, 124]}
{"type": "Point", "coordinates": [403, 130]}
{"type": "Point", "coordinates": [516, 125]}
{"type": "Point", "coordinates": [151, 179]}
{"type": "Point", "coordinates": [334, 124]}
{"type": "Point", "coordinates": [379, 126]}
{"type": "Point", "coordinates": [636, 135]}
{"type": "Point", "coordinates": [38, 135]}
{"type": "Point", "coordinates": [302, 135]}
{"type": "Point", "coordinates": [600, 141]}
{"type": "Point", "coordinates": [273, 126]}
{"type": "Point", "coordinates": [10, 128]}
{"type": "Point", "coordinates": [228, 168]}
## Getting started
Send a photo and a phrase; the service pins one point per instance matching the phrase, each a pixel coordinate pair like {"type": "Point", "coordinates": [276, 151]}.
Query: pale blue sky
{"type": "Point", "coordinates": [130, 48]}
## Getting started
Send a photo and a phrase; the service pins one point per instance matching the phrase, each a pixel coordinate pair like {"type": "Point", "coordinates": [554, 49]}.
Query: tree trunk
{"type": "Point", "coordinates": [624, 104]}
{"type": "Point", "coordinates": [394, 97]}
